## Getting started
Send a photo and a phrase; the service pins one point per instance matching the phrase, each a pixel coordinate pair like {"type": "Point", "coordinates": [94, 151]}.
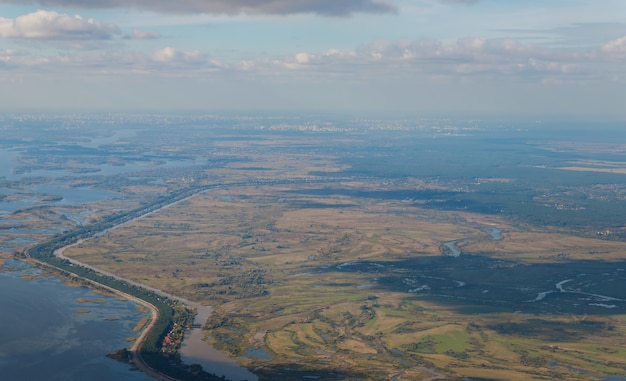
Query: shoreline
{"type": "Point", "coordinates": [135, 351]}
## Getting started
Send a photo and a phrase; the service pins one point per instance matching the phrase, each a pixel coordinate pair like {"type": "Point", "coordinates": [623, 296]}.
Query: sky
{"type": "Point", "coordinates": [531, 58]}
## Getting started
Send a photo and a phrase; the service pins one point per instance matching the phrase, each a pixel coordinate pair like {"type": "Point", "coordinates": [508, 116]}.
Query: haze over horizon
{"type": "Point", "coordinates": [524, 58]}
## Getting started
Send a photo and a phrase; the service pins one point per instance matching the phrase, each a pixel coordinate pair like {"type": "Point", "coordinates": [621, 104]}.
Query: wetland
{"type": "Point", "coordinates": [370, 250]}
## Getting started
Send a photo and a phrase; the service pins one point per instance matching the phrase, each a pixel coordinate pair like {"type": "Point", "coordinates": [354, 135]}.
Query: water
{"type": "Point", "coordinates": [132, 167]}
{"type": "Point", "coordinates": [258, 353]}
{"type": "Point", "coordinates": [495, 234]}
{"type": "Point", "coordinates": [7, 207]}
{"type": "Point", "coordinates": [43, 336]}
{"type": "Point", "coordinates": [99, 141]}
{"type": "Point", "coordinates": [9, 161]}
{"type": "Point", "coordinates": [78, 218]}
{"type": "Point", "coordinates": [74, 195]}
{"type": "Point", "coordinates": [194, 350]}
{"type": "Point", "coordinates": [455, 252]}
{"type": "Point", "coordinates": [15, 243]}
{"type": "Point", "coordinates": [7, 158]}
{"type": "Point", "coordinates": [71, 196]}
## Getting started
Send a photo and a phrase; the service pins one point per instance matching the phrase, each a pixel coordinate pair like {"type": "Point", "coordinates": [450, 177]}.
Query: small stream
{"type": "Point", "coordinates": [560, 286]}
{"type": "Point", "coordinates": [455, 252]}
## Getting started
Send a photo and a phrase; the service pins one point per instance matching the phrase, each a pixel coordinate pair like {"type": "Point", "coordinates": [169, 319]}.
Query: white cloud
{"type": "Point", "coordinates": [617, 46]}
{"type": "Point", "coordinates": [142, 35]}
{"type": "Point", "coordinates": [174, 56]}
{"type": "Point", "coordinates": [49, 25]}
{"type": "Point", "coordinates": [6, 57]}
{"type": "Point", "coordinates": [302, 58]}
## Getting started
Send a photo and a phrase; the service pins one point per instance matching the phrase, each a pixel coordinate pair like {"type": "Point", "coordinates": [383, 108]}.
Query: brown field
{"type": "Point", "coordinates": [544, 247]}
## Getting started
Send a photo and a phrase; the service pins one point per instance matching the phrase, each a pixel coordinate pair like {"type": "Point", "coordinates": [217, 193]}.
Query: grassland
{"type": "Point", "coordinates": [362, 288]}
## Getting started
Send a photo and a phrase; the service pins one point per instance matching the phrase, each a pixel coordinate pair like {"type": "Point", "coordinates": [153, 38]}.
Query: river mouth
{"type": "Point", "coordinates": [195, 351]}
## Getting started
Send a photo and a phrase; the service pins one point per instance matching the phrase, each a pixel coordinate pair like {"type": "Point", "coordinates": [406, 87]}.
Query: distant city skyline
{"type": "Point", "coordinates": [425, 57]}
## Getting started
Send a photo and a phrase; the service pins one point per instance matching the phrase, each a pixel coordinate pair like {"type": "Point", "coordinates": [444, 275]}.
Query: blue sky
{"type": "Point", "coordinates": [424, 57]}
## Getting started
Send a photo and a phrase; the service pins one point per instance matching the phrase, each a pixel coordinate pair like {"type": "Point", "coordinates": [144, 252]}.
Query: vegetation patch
{"type": "Point", "coordinates": [94, 301]}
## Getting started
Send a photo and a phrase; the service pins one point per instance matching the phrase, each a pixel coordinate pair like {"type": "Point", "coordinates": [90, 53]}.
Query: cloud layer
{"type": "Point", "coordinates": [473, 59]}
{"type": "Point", "coordinates": [466, 58]}
{"type": "Point", "coordinates": [277, 7]}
